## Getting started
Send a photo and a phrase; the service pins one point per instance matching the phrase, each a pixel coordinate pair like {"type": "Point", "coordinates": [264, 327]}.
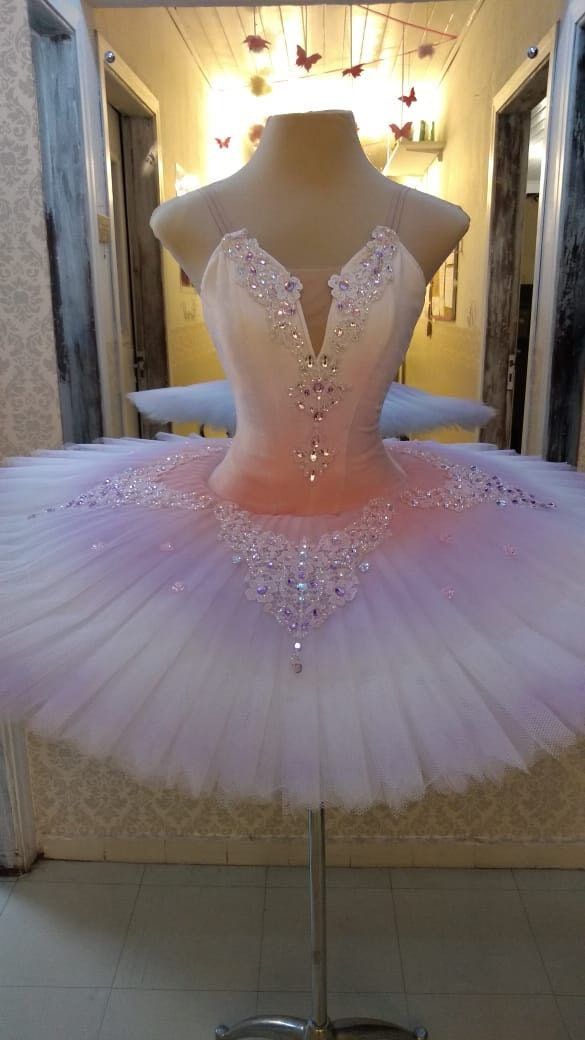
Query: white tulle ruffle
{"type": "Point", "coordinates": [131, 629]}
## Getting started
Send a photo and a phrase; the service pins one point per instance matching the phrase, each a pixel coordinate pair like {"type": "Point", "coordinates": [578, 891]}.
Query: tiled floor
{"type": "Point", "coordinates": [106, 951]}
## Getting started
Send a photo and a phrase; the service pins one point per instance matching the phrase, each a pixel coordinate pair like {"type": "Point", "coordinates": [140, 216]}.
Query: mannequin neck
{"type": "Point", "coordinates": [309, 146]}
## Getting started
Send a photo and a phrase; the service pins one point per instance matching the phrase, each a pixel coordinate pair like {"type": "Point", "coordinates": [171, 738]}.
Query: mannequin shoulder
{"type": "Point", "coordinates": [180, 218]}
{"type": "Point", "coordinates": [442, 216]}
{"type": "Point", "coordinates": [185, 227]}
{"type": "Point", "coordinates": [431, 228]}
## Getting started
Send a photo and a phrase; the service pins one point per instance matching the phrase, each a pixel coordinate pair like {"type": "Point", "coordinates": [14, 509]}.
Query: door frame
{"type": "Point", "coordinates": [538, 384]}
{"type": "Point", "coordinates": [504, 100]}
{"type": "Point", "coordinates": [144, 103]}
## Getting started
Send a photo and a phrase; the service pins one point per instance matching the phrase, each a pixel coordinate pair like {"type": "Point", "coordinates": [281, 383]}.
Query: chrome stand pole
{"type": "Point", "coordinates": [319, 1026]}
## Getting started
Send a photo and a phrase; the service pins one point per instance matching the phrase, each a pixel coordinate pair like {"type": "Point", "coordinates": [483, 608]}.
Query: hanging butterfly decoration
{"type": "Point", "coordinates": [426, 50]}
{"type": "Point", "coordinates": [306, 61]}
{"type": "Point", "coordinates": [256, 44]}
{"type": "Point", "coordinates": [354, 70]}
{"type": "Point", "coordinates": [401, 131]}
{"type": "Point", "coordinates": [223, 142]}
{"type": "Point", "coordinates": [409, 98]}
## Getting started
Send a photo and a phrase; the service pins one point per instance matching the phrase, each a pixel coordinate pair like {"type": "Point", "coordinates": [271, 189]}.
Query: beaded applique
{"type": "Point", "coordinates": [300, 583]}
{"type": "Point", "coordinates": [139, 486]}
{"type": "Point", "coordinates": [353, 291]}
{"type": "Point", "coordinates": [464, 487]}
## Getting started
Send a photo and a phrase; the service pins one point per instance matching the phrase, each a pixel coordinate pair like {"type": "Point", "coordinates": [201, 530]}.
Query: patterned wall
{"type": "Point", "coordinates": [78, 797]}
{"type": "Point", "coordinates": [29, 416]}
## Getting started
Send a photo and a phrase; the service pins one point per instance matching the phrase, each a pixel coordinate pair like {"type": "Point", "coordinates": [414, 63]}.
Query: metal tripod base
{"type": "Point", "coordinates": [275, 1027]}
{"type": "Point", "coordinates": [319, 1026]}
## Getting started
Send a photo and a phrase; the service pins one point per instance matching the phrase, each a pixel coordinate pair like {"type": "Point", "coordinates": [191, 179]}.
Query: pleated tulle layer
{"type": "Point", "coordinates": [130, 628]}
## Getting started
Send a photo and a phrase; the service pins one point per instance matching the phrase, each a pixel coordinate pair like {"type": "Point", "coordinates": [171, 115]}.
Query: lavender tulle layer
{"type": "Point", "coordinates": [432, 638]}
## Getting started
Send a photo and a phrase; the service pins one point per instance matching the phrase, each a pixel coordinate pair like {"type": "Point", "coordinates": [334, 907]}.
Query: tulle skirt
{"type": "Point", "coordinates": [431, 638]}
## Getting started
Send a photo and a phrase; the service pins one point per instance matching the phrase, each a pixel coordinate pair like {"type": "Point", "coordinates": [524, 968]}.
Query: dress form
{"type": "Point", "coordinates": [308, 171]}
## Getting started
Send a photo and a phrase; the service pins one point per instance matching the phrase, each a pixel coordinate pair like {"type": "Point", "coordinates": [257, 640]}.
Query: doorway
{"type": "Point", "coordinates": [518, 151]}
{"type": "Point", "coordinates": [132, 138]}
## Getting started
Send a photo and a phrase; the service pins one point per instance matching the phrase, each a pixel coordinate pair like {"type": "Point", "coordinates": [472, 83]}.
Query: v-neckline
{"type": "Point", "coordinates": [338, 273]}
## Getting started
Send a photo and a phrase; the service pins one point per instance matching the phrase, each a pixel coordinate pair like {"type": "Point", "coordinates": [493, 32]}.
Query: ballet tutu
{"type": "Point", "coordinates": [432, 637]}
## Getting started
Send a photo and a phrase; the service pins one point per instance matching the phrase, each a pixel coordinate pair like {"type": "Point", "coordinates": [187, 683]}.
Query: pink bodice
{"type": "Point", "coordinates": [307, 438]}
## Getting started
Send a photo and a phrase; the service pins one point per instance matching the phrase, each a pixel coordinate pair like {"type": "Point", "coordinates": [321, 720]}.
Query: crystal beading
{"type": "Point", "coordinates": [140, 486]}
{"type": "Point", "coordinates": [464, 486]}
{"type": "Point", "coordinates": [301, 583]}
{"type": "Point", "coordinates": [360, 283]}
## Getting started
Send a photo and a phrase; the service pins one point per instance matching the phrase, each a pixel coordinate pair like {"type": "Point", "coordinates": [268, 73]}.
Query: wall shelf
{"type": "Point", "coordinates": [413, 158]}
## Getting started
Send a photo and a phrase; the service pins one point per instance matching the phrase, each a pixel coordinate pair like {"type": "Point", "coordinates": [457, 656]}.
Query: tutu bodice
{"type": "Point", "coordinates": [308, 440]}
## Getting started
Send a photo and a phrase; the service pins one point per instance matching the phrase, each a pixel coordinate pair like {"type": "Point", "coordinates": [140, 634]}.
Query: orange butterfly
{"type": "Point", "coordinates": [305, 61]}
{"type": "Point", "coordinates": [256, 43]}
{"type": "Point", "coordinates": [409, 98]}
{"type": "Point", "coordinates": [354, 71]}
{"type": "Point", "coordinates": [401, 131]}
{"type": "Point", "coordinates": [225, 143]}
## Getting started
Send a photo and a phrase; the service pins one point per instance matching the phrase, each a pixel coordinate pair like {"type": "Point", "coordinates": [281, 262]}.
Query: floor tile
{"type": "Point", "coordinates": [337, 877]}
{"type": "Point", "coordinates": [493, 1017]}
{"type": "Point", "coordinates": [363, 951]}
{"type": "Point", "coordinates": [5, 890]}
{"type": "Point", "coordinates": [391, 1007]}
{"type": "Point", "coordinates": [56, 870]}
{"type": "Point", "coordinates": [64, 935]}
{"type": "Point", "coordinates": [451, 878]}
{"type": "Point", "coordinates": [573, 1011]}
{"type": "Point", "coordinates": [549, 880]}
{"type": "Point", "coordinates": [173, 1015]}
{"type": "Point", "coordinates": [30, 1013]}
{"type": "Point", "coordinates": [189, 937]}
{"type": "Point", "coordinates": [467, 942]}
{"type": "Point", "coordinates": [558, 920]}
{"type": "Point", "coordinates": [178, 874]}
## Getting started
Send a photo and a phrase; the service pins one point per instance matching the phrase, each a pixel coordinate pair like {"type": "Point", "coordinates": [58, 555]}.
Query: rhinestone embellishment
{"type": "Point", "coordinates": [302, 583]}
{"type": "Point", "coordinates": [464, 487]}
{"type": "Point", "coordinates": [318, 389]}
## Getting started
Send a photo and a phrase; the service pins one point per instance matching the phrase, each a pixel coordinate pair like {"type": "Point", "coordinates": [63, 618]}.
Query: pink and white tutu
{"type": "Point", "coordinates": [306, 612]}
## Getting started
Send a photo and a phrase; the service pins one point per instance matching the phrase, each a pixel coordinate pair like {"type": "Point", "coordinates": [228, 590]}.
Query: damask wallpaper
{"type": "Point", "coordinates": [79, 800]}
{"type": "Point", "coordinates": [29, 415]}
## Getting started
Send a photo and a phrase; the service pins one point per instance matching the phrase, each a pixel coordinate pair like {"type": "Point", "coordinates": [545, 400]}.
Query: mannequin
{"type": "Point", "coordinates": [308, 172]}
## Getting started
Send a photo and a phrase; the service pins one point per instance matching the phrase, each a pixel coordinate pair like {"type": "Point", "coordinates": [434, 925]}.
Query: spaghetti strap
{"type": "Point", "coordinates": [396, 207]}
{"type": "Point", "coordinates": [216, 209]}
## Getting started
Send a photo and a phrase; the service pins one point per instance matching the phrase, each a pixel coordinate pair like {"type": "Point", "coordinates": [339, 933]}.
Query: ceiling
{"type": "Point", "coordinates": [376, 36]}
{"type": "Point", "coordinates": [383, 38]}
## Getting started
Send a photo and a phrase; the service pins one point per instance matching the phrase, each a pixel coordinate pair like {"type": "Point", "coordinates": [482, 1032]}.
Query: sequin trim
{"type": "Point", "coordinates": [360, 284]}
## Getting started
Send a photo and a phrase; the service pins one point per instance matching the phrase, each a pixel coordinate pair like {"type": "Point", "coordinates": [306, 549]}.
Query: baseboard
{"type": "Point", "coordinates": [419, 853]}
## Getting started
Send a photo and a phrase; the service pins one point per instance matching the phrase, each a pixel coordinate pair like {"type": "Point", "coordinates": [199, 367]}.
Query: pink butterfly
{"type": "Point", "coordinates": [305, 61]}
{"type": "Point", "coordinates": [354, 70]}
{"type": "Point", "coordinates": [225, 143]}
{"type": "Point", "coordinates": [409, 98]}
{"type": "Point", "coordinates": [401, 131]}
{"type": "Point", "coordinates": [256, 43]}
